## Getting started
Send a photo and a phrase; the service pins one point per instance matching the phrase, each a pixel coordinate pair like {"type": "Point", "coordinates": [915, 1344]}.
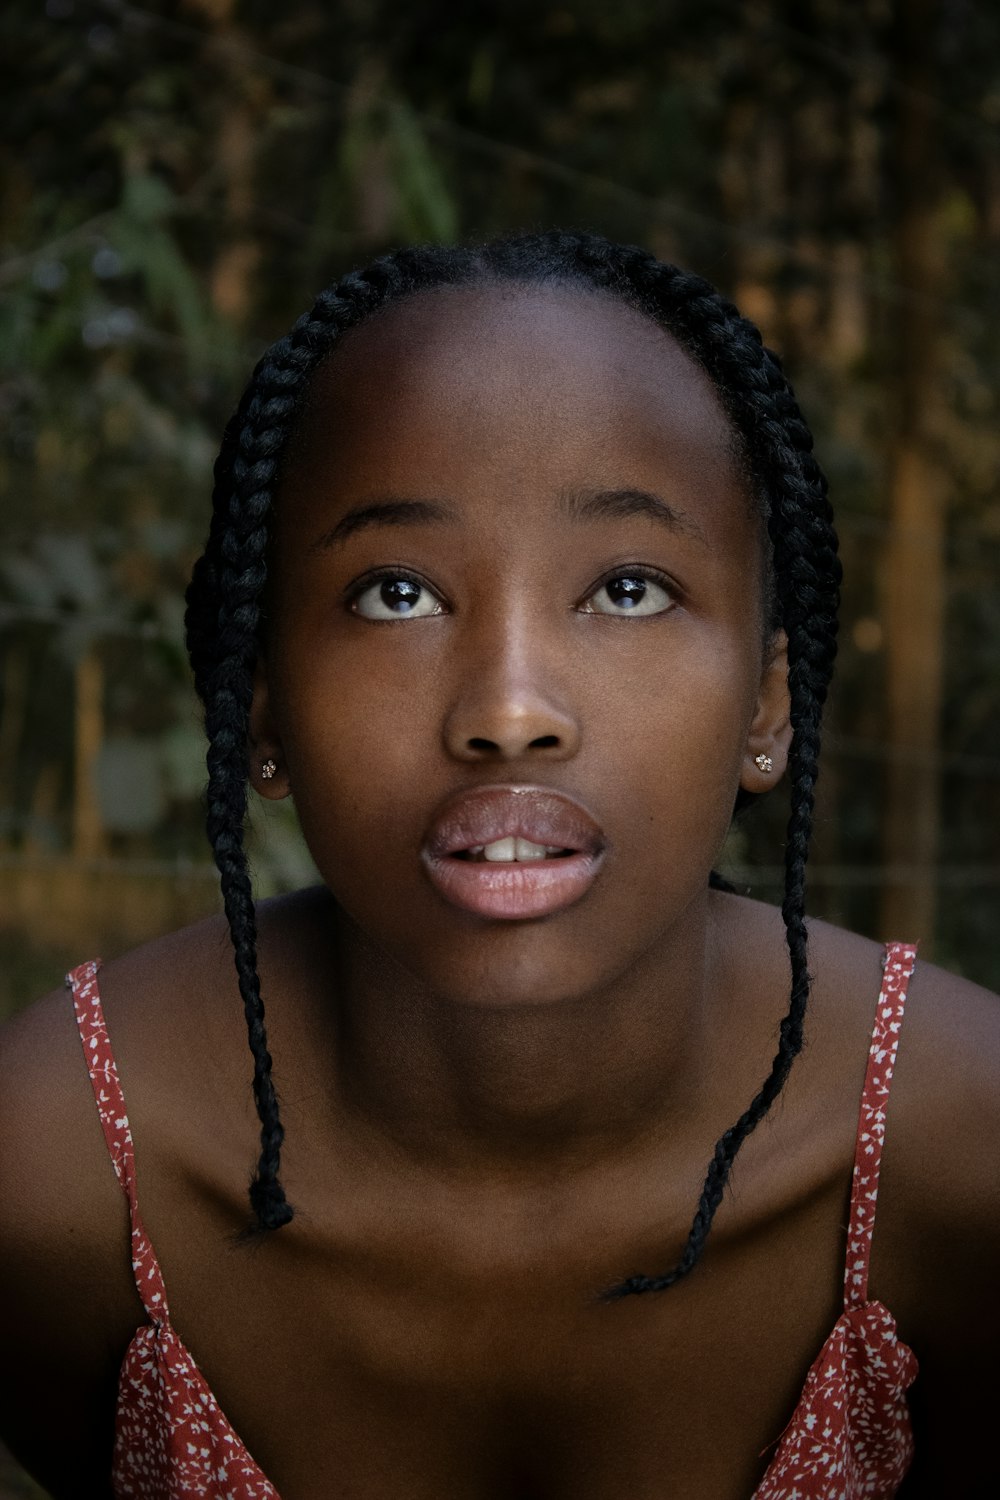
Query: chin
{"type": "Point", "coordinates": [503, 972]}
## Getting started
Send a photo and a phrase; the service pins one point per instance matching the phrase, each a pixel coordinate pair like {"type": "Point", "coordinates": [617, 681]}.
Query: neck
{"type": "Point", "coordinates": [526, 1088]}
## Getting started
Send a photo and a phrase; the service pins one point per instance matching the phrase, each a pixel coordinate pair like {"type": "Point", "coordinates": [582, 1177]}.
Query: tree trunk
{"type": "Point", "coordinates": [247, 96]}
{"type": "Point", "coordinates": [914, 564]}
{"type": "Point", "coordinates": [12, 716]}
{"type": "Point", "coordinates": [88, 832]}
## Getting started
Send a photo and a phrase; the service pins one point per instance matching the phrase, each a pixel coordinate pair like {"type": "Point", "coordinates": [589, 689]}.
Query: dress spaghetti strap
{"type": "Point", "coordinates": [898, 966]}
{"type": "Point", "coordinates": [82, 982]}
{"type": "Point", "coordinates": [850, 1436]}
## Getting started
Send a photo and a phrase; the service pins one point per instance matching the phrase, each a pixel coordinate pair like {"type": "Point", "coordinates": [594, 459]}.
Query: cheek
{"type": "Point", "coordinates": [355, 742]}
{"type": "Point", "coordinates": [689, 755]}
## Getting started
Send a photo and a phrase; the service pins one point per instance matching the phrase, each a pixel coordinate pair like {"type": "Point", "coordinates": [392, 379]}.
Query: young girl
{"type": "Point", "coordinates": [520, 577]}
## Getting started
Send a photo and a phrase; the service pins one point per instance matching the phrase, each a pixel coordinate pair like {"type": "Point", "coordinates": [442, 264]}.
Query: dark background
{"type": "Point", "coordinates": [179, 180]}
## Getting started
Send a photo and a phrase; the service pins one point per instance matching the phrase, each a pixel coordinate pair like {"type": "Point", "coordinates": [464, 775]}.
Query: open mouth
{"type": "Point", "coordinates": [492, 851]}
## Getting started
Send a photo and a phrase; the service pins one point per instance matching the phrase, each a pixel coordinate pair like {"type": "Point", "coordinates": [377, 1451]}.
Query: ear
{"type": "Point", "coordinates": [265, 743]}
{"type": "Point", "coordinates": [770, 733]}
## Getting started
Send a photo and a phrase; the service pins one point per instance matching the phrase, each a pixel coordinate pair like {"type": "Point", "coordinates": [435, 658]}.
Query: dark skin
{"type": "Point", "coordinates": [488, 1122]}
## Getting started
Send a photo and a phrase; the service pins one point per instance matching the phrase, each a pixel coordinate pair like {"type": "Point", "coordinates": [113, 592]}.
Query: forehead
{"type": "Point", "coordinates": [512, 376]}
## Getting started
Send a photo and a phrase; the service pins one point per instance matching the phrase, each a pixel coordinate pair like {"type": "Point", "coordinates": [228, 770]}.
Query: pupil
{"type": "Point", "coordinates": [399, 594]}
{"type": "Point", "coordinates": [627, 591]}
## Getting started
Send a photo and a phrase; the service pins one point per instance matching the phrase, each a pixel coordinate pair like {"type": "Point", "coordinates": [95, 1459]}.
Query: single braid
{"type": "Point", "coordinates": [807, 574]}
{"type": "Point", "coordinates": [223, 622]}
{"type": "Point", "coordinates": [223, 618]}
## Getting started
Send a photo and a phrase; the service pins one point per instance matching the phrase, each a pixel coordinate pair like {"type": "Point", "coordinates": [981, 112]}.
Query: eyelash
{"type": "Point", "coordinates": [625, 570]}
{"type": "Point", "coordinates": [382, 575]}
{"type": "Point", "coordinates": [649, 575]}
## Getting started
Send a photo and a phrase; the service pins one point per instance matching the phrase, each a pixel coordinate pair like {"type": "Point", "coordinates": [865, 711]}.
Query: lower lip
{"type": "Point", "coordinates": [531, 888]}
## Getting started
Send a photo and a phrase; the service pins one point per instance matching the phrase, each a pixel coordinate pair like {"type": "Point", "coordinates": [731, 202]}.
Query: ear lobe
{"type": "Point", "coordinates": [770, 735]}
{"type": "Point", "coordinates": [268, 772]}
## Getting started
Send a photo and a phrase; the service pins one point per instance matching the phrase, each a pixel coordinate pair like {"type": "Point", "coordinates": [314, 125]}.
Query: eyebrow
{"type": "Point", "coordinates": [388, 512]}
{"type": "Point", "coordinates": [576, 505]}
{"type": "Point", "coordinates": [611, 505]}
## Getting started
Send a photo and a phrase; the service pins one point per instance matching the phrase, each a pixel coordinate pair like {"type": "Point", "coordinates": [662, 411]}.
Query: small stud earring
{"type": "Point", "coordinates": [268, 768]}
{"type": "Point", "coordinates": [763, 762]}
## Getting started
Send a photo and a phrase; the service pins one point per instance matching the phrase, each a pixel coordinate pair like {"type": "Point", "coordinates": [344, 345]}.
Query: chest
{"type": "Point", "coordinates": [404, 1366]}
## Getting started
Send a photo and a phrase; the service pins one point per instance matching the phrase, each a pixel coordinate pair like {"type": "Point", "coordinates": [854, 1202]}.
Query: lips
{"type": "Point", "coordinates": [473, 819]}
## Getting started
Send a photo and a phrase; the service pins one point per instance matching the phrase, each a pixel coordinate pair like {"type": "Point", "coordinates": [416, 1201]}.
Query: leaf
{"type": "Point", "coordinates": [429, 209]}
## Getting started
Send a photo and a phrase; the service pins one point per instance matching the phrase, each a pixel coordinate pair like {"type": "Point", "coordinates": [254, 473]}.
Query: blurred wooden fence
{"type": "Point", "coordinates": [124, 902]}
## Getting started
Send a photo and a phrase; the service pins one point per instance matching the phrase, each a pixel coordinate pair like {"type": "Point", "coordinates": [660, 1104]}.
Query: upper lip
{"type": "Point", "coordinates": [484, 814]}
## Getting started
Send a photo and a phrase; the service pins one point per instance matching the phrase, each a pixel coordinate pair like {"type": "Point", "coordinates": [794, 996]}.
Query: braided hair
{"type": "Point", "coordinates": [224, 598]}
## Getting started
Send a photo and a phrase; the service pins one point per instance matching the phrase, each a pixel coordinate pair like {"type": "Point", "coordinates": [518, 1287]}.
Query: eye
{"type": "Point", "coordinates": [632, 592]}
{"type": "Point", "coordinates": [394, 596]}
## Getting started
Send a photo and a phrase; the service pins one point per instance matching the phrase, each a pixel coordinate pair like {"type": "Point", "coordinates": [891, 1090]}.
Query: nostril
{"type": "Point", "coordinates": [543, 742]}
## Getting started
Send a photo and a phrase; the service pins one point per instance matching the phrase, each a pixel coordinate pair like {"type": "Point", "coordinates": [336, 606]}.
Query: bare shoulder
{"type": "Point", "coordinates": [175, 1020]}
{"type": "Point", "coordinates": [940, 1185]}
{"type": "Point", "coordinates": [68, 1304]}
{"type": "Point", "coordinates": [937, 1236]}
{"type": "Point", "coordinates": [936, 1244]}
{"type": "Point", "coordinates": [943, 1138]}
{"type": "Point", "coordinates": [943, 1142]}
{"type": "Point", "coordinates": [948, 1060]}
{"type": "Point", "coordinates": [943, 1114]}
{"type": "Point", "coordinates": [48, 1105]}
{"type": "Point", "coordinates": [61, 1202]}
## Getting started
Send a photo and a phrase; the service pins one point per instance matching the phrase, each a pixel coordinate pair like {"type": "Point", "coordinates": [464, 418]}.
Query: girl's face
{"type": "Point", "coordinates": [514, 548]}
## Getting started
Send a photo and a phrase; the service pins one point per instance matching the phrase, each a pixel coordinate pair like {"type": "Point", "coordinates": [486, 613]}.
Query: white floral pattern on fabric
{"type": "Point", "coordinates": [171, 1437]}
{"type": "Point", "coordinates": [849, 1437]}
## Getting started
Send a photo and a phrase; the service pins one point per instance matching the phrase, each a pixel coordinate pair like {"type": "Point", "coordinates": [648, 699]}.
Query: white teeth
{"type": "Point", "coordinates": [504, 851]}
{"type": "Point", "coordinates": [525, 849]}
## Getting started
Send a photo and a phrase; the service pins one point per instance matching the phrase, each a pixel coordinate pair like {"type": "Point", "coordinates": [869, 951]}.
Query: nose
{"type": "Point", "coordinates": [506, 708]}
